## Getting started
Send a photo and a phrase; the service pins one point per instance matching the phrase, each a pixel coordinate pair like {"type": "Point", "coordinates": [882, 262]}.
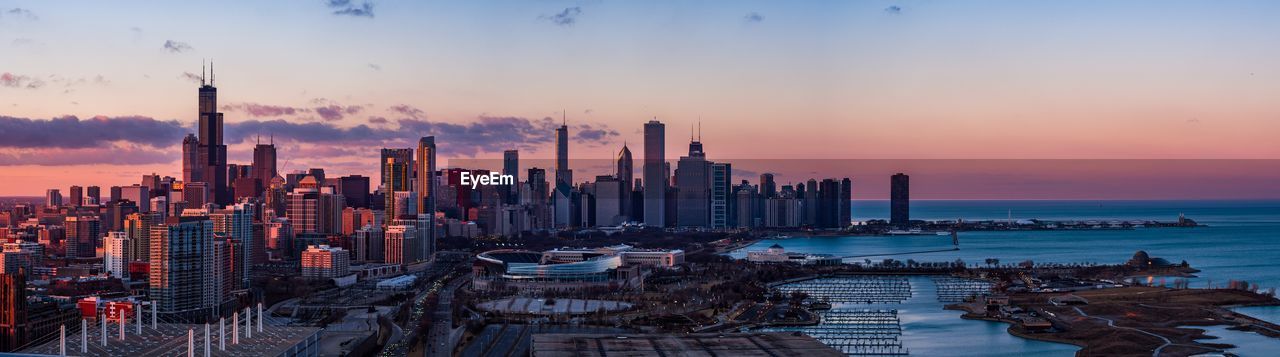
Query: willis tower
{"type": "Point", "coordinates": [210, 152]}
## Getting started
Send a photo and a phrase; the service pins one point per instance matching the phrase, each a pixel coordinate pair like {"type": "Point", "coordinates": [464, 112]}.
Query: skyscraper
{"type": "Point", "coordinates": [768, 188]}
{"type": "Point", "coordinates": [900, 200]}
{"type": "Point", "coordinates": [52, 197]}
{"type": "Point", "coordinates": [403, 156]}
{"type": "Point", "coordinates": [183, 260]}
{"type": "Point", "coordinates": [236, 223]}
{"type": "Point", "coordinates": [564, 177]}
{"type": "Point", "coordinates": [93, 194]}
{"type": "Point", "coordinates": [426, 176]}
{"type": "Point", "coordinates": [511, 166]}
{"type": "Point", "coordinates": [721, 195]}
{"type": "Point", "coordinates": [115, 254]}
{"type": "Point", "coordinates": [395, 178]}
{"type": "Point", "coordinates": [845, 202]}
{"type": "Point", "coordinates": [355, 189]}
{"type": "Point", "coordinates": [655, 177]}
{"type": "Point", "coordinates": [625, 172]}
{"type": "Point", "coordinates": [13, 311]}
{"type": "Point", "coordinates": [75, 196]}
{"type": "Point", "coordinates": [83, 234]}
{"type": "Point", "coordinates": [192, 170]}
{"type": "Point", "coordinates": [693, 184]}
{"type": "Point", "coordinates": [211, 153]}
{"type": "Point", "coordinates": [264, 163]}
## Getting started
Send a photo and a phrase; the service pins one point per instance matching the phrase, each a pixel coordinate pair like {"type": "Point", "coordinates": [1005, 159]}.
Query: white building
{"type": "Point", "coordinates": [115, 254]}
{"type": "Point", "coordinates": [776, 254]}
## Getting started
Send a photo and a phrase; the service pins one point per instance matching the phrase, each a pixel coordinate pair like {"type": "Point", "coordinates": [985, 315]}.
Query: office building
{"type": "Point", "coordinates": [511, 166]}
{"type": "Point", "coordinates": [655, 177]}
{"type": "Point", "coordinates": [211, 154]}
{"type": "Point", "coordinates": [52, 197]}
{"type": "Point", "coordinates": [83, 234]}
{"type": "Point", "coordinates": [721, 195]}
{"type": "Point", "coordinates": [624, 170]}
{"type": "Point", "coordinates": [396, 177]}
{"type": "Point", "coordinates": [355, 189]}
{"type": "Point", "coordinates": [401, 245]}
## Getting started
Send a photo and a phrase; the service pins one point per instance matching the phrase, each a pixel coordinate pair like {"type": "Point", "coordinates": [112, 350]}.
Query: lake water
{"type": "Point", "coordinates": [1241, 242]}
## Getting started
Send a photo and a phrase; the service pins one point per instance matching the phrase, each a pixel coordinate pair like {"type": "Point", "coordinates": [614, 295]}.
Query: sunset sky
{"type": "Point", "coordinates": [99, 93]}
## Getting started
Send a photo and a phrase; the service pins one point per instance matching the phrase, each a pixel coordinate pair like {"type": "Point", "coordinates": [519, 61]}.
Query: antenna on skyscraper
{"type": "Point", "coordinates": [259, 140]}
{"type": "Point", "coordinates": [212, 78]}
{"type": "Point", "coordinates": [202, 71]}
{"type": "Point", "coordinates": [564, 117]}
{"type": "Point", "coordinates": [699, 128]}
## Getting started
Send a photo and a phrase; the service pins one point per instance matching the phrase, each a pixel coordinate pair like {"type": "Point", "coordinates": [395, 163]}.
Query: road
{"type": "Point", "coordinates": [442, 319]}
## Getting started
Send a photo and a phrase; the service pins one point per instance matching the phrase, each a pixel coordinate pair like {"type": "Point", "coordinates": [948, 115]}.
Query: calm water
{"type": "Point", "coordinates": [1242, 242]}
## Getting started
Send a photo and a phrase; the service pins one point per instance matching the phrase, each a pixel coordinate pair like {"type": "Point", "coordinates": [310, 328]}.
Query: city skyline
{"type": "Point", "coordinates": [383, 100]}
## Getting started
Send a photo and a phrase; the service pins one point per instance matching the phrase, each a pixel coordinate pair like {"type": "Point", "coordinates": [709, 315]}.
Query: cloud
{"type": "Point", "coordinates": [20, 81]}
{"type": "Point", "coordinates": [120, 155]}
{"type": "Point", "coordinates": [377, 120]}
{"type": "Point", "coordinates": [484, 134]}
{"type": "Point", "coordinates": [177, 47]}
{"type": "Point", "coordinates": [25, 42]}
{"type": "Point", "coordinates": [71, 132]}
{"type": "Point", "coordinates": [375, 66]}
{"type": "Point", "coordinates": [753, 17]}
{"type": "Point", "coordinates": [893, 10]}
{"type": "Point", "coordinates": [192, 77]}
{"type": "Point", "coordinates": [337, 112]}
{"type": "Point", "coordinates": [135, 29]}
{"type": "Point", "coordinates": [263, 110]}
{"type": "Point", "coordinates": [346, 8]}
{"type": "Point", "coordinates": [21, 13]}
{"type": "Point", "coordinates": [565, 18]}
{"type": "Point", "coordinates": [410, 111]}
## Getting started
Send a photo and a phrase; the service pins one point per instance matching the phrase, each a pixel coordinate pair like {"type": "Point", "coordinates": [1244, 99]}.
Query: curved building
{"type": "Point", "coordinates": [527, 270]}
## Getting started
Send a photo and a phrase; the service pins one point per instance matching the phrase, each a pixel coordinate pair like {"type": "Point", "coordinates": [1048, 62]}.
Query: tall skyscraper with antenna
{"type": "Point", "coordinates": [563, 174]}
{"type": "Point", "coordinates": [211, 152]}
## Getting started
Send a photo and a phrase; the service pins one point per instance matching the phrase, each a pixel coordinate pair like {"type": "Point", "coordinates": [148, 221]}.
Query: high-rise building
{"type": "Point", "coordinates": [355, 189]}
{"type": "Point", "coordinates": [745, 206]}
{"type": "Point", "coordinates": [264, 163]}
{"type": "Point", "coordinates": [182, 275]}
{"type": "Point", "coordinates": [426, 186]}
{"type": "Point", "coordinates": [655, 177]}
{"type": "Point", "coordinates": [325, 262]}
{"type": "Point", "coordinates": [192, 169]}
{"type": "Point", "coordinates": [76, 196]}
{"type": "Point", "coordinates": [13, 311]}
{"type": "Point", "coordinates": [52, 197]}
{"type": "Point", "coordinates": [236, 222]}
{"type": "Point", "coordinates": [608, 201]}
{"type": "Point", "coordinates": [314, 210]}
{"type": "Point", "coordinates": [768, 188]}
{"type": "Point", "coordinates": [138, 194]}
{"type": "Point", "coordinates": [693, 180]}
{"type": "Point", "coordinates": [211, 153]}
{"type": "Point", "coordinates": [83, 234]}
{"type": "Point", "coordinates": [115, 254]}
{"type": "Point", "coordinates": [93, 194]}
{"type": "Point", "coordinates": [900, 200]}
{"type": "Point", "coordinates": [368, 243]}
{"type": "Point", "coordinates": [401, 245]}
{"type": "Point", "coordinates": [564, 177]}
{"type": "Point", "coordinates": [846, 203]}
{"type": "Point", "coordinates": [625, 172]}
{"type": "Point", "coordinates": [137, 227]}
{"type": "Point", "coordinates": [511, 167]}
{"type": "Point", "coordinates": [721, 195]}
{"type": "Point", "coordinates": [396, 174]}
{"type": "Point", "coordinates": [403, 156]}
